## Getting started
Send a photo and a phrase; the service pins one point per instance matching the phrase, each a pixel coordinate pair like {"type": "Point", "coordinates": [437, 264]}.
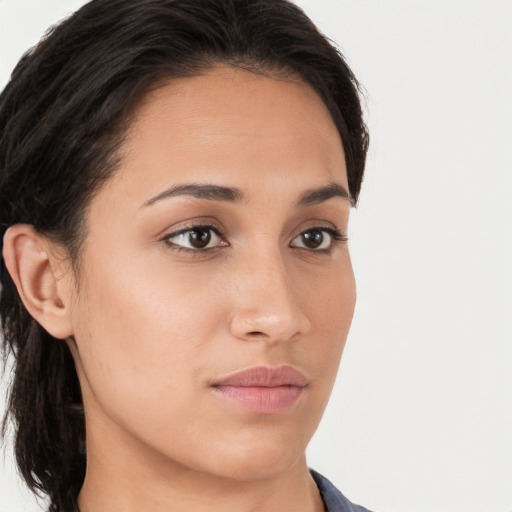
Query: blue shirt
{"type": "Point", "coordinates": [334, 501]}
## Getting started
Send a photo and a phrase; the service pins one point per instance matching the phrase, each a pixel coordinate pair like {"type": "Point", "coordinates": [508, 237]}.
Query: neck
{"type": "Point", "coordinates": [124, 476]}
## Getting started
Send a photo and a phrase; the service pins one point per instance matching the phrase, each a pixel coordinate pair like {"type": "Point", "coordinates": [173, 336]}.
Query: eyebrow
{"type": "Point", "coordinates": [319, 195]}
{"type": "Point", "coordinates": [231, 194]}
{"type": "Point", "coordinates": [200, 191]}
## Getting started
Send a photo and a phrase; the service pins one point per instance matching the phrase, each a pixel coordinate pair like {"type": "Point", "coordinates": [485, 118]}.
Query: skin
{"type": "Point", "coordinates": [151, 325]}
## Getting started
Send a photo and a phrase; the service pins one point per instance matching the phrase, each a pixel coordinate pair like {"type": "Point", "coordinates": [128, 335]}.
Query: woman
{"type": "Point", "coordinates": [175, 184]}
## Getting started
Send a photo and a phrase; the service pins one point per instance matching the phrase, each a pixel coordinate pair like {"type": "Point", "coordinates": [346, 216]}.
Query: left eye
{"type": "Point", "coordinates": [317, 239]}
{"type": "Point", "coordinates": [199, 237]}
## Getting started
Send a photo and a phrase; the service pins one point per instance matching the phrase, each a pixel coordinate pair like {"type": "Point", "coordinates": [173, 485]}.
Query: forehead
{"type": "Point", "coordinates": [232, 127]}
{"type": "Point", "coordinates": [229, 93]}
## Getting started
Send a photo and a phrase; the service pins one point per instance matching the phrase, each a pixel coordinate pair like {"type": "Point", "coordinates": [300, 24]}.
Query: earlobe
{"type": "Point", "coordinates": [30, 264]}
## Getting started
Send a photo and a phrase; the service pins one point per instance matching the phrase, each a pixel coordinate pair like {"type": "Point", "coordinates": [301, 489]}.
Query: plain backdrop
{"type": "Point", "coordinates": [421, 416]}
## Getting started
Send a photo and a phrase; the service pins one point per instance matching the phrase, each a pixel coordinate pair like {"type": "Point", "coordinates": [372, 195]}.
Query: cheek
{"type": "Point", "coordinates": [329, 298]}
{"type": "Point", "coordinates": [330, 304]}
{"type": "Point", "coordinates": [139, 333]}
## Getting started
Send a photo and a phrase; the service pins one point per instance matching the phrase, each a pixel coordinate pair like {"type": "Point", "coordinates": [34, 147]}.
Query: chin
{"type": "Point", "coordinates": [253, 470]}
{"type": "Point", "coordinates": [261, 460]}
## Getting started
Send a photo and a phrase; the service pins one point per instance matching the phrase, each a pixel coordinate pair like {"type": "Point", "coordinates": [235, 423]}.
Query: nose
{"type": "Point", "coordinates": [266, 305]}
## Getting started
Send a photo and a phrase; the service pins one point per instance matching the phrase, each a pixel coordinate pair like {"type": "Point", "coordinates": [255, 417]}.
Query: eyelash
{"type": "Point", "coordinates": [195, 227]}
{"type": "Point", "coordinates": [337, 236]}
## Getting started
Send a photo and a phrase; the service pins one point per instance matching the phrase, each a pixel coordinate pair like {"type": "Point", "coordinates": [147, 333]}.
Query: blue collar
{"type": "Point", "coordinates": [333, 500]}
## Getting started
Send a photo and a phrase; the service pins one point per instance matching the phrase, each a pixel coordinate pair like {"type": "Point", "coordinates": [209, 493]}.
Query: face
{"type": "Point", "coordinates": [216, 289]}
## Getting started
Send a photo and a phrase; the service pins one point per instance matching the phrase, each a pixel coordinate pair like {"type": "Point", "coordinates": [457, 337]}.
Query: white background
{"type": "Point", "coordinates": [421, 416]}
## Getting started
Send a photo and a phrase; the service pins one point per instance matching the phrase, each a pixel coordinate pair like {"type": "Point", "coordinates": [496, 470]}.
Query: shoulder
{"type": "Point", "coordinates": [333, 499]}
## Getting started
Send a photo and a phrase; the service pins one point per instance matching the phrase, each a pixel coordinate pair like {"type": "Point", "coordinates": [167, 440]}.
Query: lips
{"type": "Point", "coordinates": [262, 389]}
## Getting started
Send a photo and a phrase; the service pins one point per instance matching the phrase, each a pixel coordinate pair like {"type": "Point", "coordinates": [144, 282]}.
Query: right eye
{"type": "Point", "coordinates": [195, 238]}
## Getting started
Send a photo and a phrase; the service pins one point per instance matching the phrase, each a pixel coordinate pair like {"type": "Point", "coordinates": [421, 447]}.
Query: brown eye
{"type": "Point", "coordinates": [312, 239]}
{"type": "Point", "coordinates": [195, 238]}
{"type": "Point", "coordinates": [200, 238]}
{"type": "Point", "coordinates": [318, 239]}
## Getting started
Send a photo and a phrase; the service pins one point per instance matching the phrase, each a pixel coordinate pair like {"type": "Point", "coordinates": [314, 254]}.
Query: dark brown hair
{"type": "Point", "coordinates": [62, 117]}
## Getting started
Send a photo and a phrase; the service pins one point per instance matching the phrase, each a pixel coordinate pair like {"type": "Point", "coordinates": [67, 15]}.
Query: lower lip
{"type": "Point", "coordinates": [261, 399]}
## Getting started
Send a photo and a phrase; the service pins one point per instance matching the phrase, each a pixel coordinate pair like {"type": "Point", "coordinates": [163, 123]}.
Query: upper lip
{"type": "Point", "coordinates": [264, 376]}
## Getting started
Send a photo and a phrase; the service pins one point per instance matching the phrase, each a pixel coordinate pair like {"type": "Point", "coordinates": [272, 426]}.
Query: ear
{"type": "Point", "coordinates": [40, 278]}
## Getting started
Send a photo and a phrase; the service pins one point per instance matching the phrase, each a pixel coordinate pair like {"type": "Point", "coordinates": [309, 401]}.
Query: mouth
{"type": "Point", "coordinates": [262, 389]}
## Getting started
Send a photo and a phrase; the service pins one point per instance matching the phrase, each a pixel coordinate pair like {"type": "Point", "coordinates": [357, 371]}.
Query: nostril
{"type": "Point", "coordinates": [266, 325]}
